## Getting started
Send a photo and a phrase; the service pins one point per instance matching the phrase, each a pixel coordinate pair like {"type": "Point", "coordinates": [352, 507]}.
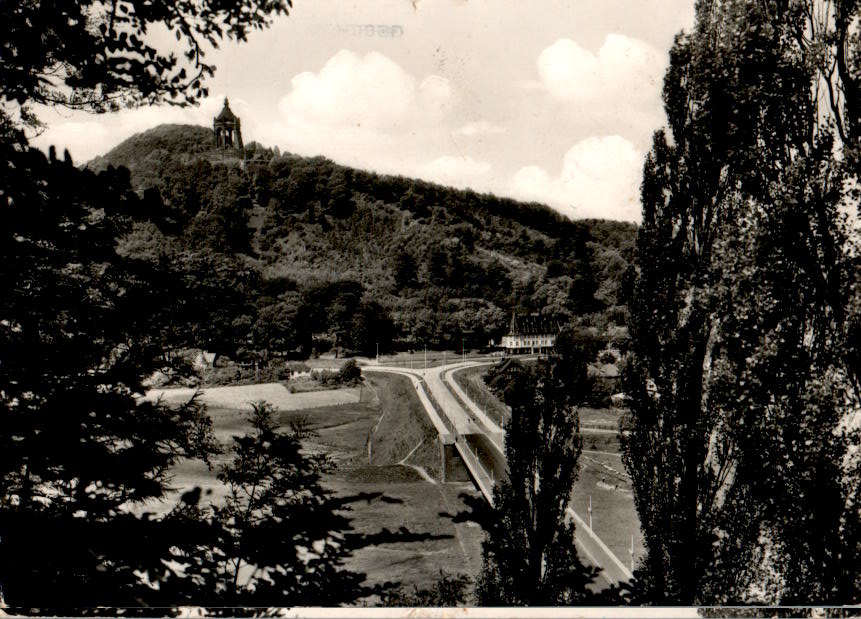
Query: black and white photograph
{"type": "Point", "coordinates": [430, 308]}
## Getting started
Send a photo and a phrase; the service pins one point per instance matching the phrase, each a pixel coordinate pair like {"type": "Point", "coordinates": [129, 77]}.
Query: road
{"type": "Point", "coordinates": [483, 460]}
{"type": "Point", "coordinates": [464, 421]}
{"type": "Point", "coordinates": [484, 442]}
{"type": "Point", "coordinates": [598, 552]}
{"type": "Point", "coordinates": [493, 431]}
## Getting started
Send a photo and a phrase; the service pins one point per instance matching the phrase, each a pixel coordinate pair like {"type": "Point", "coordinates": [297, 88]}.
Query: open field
{"type": "Point", "coordinates": [605, 418]}
{"type": "Point", "coordinates": [433, 358]}
{"type": "Point", "coordinates": [431, 515]}
{"type": "Point", "coordinates": [240, 397]}
{"type": "Point", "coordinates": [614, 517]}
{"type": "Point", "coordinates": [418, 526]}
{"type": "Point", "coordinates": [600, 441]}
{"type": "Point", "coordinates": [403, 432]}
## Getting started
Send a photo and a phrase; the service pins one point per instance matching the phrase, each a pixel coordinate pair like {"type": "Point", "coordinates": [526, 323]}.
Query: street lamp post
{"type": "Point", "coordinates": [590, 512]}
{"type": "Point", "coordinates": [632, 554]}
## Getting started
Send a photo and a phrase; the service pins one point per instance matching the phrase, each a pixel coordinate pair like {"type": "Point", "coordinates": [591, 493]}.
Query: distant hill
{"type": "Point", "coordinates": [442, 266]}
{"type": "Point", "coordinates": [148, 153]}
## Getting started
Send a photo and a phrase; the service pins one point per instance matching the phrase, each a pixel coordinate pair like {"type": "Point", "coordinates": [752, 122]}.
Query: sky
{"type": "Point", "coordinates": [553, 100]}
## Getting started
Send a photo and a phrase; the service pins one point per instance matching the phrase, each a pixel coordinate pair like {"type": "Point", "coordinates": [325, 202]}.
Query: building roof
{"type": "Point", "coordinates": [532, 324]}
{"type": "Point", "coordinates": [226, 113]}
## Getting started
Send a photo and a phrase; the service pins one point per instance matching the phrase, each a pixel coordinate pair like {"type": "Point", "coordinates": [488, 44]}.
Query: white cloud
{"type": "Point", "coordinates": [370, 91]}
{"type": "Point", "coordinates": [436, 98]}
{"type": "Point", "coordinates": [458, 172]}
{"type": "Point", "coordinates": [480, 127]}
{"type": "Point", "coordinates": [600, 177]}
{"type": "Point", "coordinates": [88, 135]}
{"type": "Point", "coordinates": [84, 139]}
{"type": "Point", "coordinates": [624, 71]}
{"type": "Point", "coordinates": [533, 183]}
{"type": "Point", "coordinates": [366, 111]}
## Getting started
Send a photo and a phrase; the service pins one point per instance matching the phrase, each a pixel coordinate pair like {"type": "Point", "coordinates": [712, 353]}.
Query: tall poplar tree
{"type": "Point", "coordinates": [529, 554]}
{"type": "Point", "coordinates": [743, 308]}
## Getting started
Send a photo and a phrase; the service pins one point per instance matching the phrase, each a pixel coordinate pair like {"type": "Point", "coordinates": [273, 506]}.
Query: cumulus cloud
{"type": "Point", "coordinates": [623, 69]}
{"type": "Point", "coordinates": [457, 172]}
{"type": "Point", "coordinates": [600, 177]}
{"type": "Point", "coordinates": [366, 111]}
{"type": "Point", "coordinates": [370, 91]}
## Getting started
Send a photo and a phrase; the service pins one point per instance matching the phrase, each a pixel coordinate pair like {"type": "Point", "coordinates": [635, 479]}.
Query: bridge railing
{"type": "Point", "coordinates": [479, 393]}
{"type": "Point", "coordinates": [417, 362]}
{"type": "Point", "coordinates": [440, 412]}
{"type": "Point", "coordinates": [483, 478]}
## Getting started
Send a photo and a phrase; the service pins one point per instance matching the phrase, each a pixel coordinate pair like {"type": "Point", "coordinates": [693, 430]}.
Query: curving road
{"type": "Point", "coordinates": [481, 442]}
{"type": "Point", "coordinates": [484, 460]}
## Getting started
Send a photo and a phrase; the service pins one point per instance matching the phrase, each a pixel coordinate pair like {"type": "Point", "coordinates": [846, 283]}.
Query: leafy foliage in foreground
{"type": "Point", "coordinates": [76, 447]}
{"type": "Point", "coordinates": [80, 454]}
{"type": "Point", "coordinates": [449, 591]}
{"type": "Point", "coordinates": [84, 54]}
{"type": "Point", "coordinates": [278, 539]}
{"type": "Point", "coordinates": [745, 314]}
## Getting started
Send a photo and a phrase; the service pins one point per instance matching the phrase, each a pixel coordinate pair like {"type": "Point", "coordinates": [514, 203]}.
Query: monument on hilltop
{"type": "Point", "coordinates": [227, 128]}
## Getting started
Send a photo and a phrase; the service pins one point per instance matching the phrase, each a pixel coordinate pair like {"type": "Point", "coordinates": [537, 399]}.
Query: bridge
{"type": "Point", "coordinates": [459, 431]}
{"type": "Point", "coordinates": [464, 429]}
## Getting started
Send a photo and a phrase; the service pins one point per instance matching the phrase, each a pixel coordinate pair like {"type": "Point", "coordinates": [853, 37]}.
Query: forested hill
{"type": "Point", "coordinates": [342, 253]}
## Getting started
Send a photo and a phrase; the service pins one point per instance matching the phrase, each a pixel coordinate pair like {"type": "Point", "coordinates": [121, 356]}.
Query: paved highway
{"type": "Point", "coordinates": [484, 442]}
{"type": "Point", "coordinates": [494, 432]}
{"type": "Point", "coordinates": [485, 462]}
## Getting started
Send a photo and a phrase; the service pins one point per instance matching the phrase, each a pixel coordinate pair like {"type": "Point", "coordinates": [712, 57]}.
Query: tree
{"type": "Point", "coordinates": [278, 539]}
{"type": "Point", "coordinates": [529, 556]}
{"type": "Point", "coordinates": [207, 301]}
{"type": "Point", "coordinates": [277, 327]}
{"type": "Point", "coordinates": [370, 326]}
{"type": "Point", "coordinates": [337, 194]}
{"type": "Point", "coordinates": [742, 307]}
{"type": "Point", "coordinates": [439, 266]}
{"type": "Point", "coordinates": [97, 56]}
{"type": "Point", "coordinates": [448, 592]}
{"type": "Point", "coordinates": [350, 373]}
{"type": "Point", "coordinates": [78, 450]}
{"type": "Point", "coordinates": [404, 270]}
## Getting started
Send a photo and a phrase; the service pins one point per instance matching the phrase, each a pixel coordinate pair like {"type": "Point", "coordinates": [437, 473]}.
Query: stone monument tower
{"type": "Point", "coordinates": [227, 128]}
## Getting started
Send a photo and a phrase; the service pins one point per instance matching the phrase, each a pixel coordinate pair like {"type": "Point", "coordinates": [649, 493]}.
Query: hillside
{"type": "Point", "coordinates": [347, 253]}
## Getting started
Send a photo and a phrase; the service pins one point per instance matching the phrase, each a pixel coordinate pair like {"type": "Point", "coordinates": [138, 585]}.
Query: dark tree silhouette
{"type": "Point", "coordinates": [98, 56]}
{"type": "Point", "coordinates": [745, 294]}
{"type": "Point", "coordinates": [529, 555]}
{"type": "Point", "coordinates": [278, 539]}
{"type": "Point", "coordinates": [77, 449]}
{"type": "Point", "coordinates": [449, 591]}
